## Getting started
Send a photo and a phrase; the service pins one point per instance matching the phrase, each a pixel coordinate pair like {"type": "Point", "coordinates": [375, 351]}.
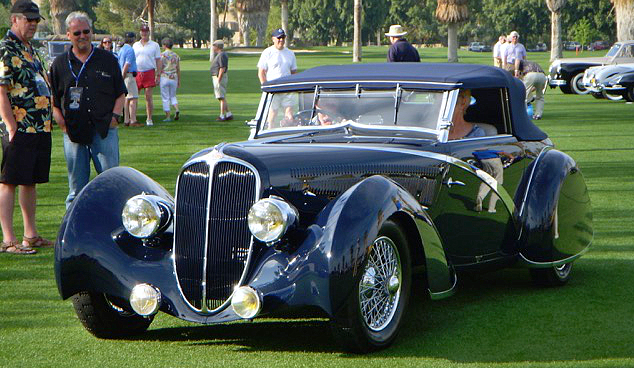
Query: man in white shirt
{"type": "Point", "coordinates": [275, 62]}
{"type": "Point", "coordinates": [514, 54]}
{"type": "Point", "coordinates": [148, 62]}
{"type": "Point", "coordinates": [498, 51]}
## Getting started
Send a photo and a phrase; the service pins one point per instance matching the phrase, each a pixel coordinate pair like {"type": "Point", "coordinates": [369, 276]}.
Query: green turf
{"type": "Point", "coordinates": [494, 320]}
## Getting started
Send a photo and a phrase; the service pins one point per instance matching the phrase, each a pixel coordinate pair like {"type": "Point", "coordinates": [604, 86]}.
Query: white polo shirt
{"type": "Point", "coordinates": [146, 55]}
{"type": "Point", "coordinates": [277, 63]}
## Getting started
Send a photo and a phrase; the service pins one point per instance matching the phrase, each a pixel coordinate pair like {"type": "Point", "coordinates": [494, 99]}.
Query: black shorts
{"type": "Point", "coordinates": [27, 159]}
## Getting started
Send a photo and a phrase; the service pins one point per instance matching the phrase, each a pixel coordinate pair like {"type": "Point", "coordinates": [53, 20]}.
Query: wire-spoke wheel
{"type": "Point", "coordinates": [553, 276]}
{"type": "Point", "coordinates": [380, 286]}
{"type": "Point", "coordinates": [374, 311]}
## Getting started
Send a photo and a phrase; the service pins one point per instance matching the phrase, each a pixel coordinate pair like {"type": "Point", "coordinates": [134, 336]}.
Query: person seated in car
{"type": "Point", "coordinates": [326, 113]}
{"type": "Point", "coordinates": [462, 128]}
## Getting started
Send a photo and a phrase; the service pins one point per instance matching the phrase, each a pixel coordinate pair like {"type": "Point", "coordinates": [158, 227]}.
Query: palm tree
{"type": "Point", "coordinates": [356, 48]}
{"type": "Point", "coordinates": [452, 12]}
{"type": "Point", "coordinates": [59, 11]}
{"type": "Point", "coordinates": [213, 22]}
{"type": "Point", "coordinates": [253, 14]}
{"type": "Point", "coordinates": [555, 7]}
{"type": "Point", "coordinates": [284, 14]}
{"type": "Point", "coordinates": [624, 19]}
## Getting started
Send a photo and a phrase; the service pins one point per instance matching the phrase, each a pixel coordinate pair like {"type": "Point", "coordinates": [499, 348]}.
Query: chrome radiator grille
{"type": "Point", "coordinates": [211, 235]}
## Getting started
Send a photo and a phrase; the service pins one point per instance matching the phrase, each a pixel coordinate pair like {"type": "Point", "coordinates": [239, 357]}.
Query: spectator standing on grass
{"type": "Point", "coordinates": [127, 63]}
{"type": "Point", "coordinates": [170, 79]}
{"type": "Point", "coordinates": [498, 51]}
{"type": "Point", "coordinates": [219, 68]}
{"type": "Point", "coordinates": [514, 53]}
{"type": "Point", "coordinates": [275, 62]}
{"type": "Point", "coordinates": [400, 50]}
{"type": "Point", "coordinates": [148, 62]}
{"type": "Point", "coordinates": [88, 98]}
{"type": "Point", "coordinates": [26, 128]}
{"type": "Point", "coordinates": [106, 44]}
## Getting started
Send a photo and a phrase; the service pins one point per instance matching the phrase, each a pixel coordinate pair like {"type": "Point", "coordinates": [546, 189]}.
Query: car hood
{"type": "Point", "coordinates": [588, 60]}
{"type": "Point", "coordinates": [281, 165]}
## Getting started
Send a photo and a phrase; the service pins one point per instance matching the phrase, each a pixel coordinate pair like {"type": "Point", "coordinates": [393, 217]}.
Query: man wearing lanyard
{"type": "Point", "coordinates": [88, 97]}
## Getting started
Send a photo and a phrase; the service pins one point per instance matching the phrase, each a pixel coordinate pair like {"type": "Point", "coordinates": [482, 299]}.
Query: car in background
{"type": "Point", "coordinates": [347, 185]}
{"type": "Point", "coordinates": [595, 77]}
{"type": "Point", "coordinates": [479, 47]}
{"type": "Point", "coordinates": [599, 45]}
{"type": "Point", "coordinates": [571, 45]}
{"type": "Point", "coordinates": [567, 73]}
{"type": "Point", "coordinates": [621, 84]}
{"type": "Point", "coordinates": [540, 47]}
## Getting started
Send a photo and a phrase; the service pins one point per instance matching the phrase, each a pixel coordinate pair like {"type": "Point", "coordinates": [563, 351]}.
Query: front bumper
{"type": "Point", "coordinates": [557, 82]}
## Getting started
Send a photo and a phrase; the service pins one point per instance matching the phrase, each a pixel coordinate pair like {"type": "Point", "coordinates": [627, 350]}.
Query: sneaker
{"type": "Point", "coordinates": [229, 116]}
{"type": "Point", "coordinates": [149, 123]}
{"type": "Point", "coordinates": [221, 118]}
{"type": "Point", "coordinates": [176, 116]}
{"type": "Point", "coordinates": [167, 120]}
{"type": "Point", "coordinates": [537, 117]}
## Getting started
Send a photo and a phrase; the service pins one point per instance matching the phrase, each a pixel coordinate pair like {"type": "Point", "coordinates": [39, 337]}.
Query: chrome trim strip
{"type": "Point", "coordinates": [447, 293]}
{"type": "Point", "coordinates": [529, 263]}
{"type": "Point", "coordinates": [308, 84]}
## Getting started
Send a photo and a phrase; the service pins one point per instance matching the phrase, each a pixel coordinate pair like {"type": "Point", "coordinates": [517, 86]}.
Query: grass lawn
{"type": "Point", "coordinates": [494, 320]}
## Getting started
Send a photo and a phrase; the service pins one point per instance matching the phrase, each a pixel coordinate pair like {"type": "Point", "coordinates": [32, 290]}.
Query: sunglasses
{"type": "Point", "coordinates": [281, 38]}
{"type": "Point", "coordinates": [106, 41]}
{"type": "Point", "coordinates": [85, 31]}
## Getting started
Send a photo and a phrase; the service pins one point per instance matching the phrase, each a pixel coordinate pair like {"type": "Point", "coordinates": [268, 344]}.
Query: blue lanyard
{"type": "Point", "coordinates": [83, 66]}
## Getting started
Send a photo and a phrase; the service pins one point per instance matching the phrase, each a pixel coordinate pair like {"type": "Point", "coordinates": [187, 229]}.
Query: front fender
{"type": "Point", "coordinates": [351, 225]}
{"type": "Point", "coordinates": [554, 211]}
{"type": "Point", "coordinates": [93, 252]}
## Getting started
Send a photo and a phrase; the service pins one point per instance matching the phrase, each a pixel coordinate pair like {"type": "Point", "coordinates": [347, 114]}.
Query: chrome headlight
{"type": "Point", "coordinates": [145, 215]}
{"type": "Point", "coordinates": [269, 218]}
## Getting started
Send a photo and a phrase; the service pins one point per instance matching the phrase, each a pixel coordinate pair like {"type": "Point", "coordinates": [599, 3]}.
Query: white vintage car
{"type": "Point", "coordinates": [594, 79]}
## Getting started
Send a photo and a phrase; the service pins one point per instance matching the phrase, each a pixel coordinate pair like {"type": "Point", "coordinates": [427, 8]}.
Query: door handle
{"type": "Point", "coordinates": [451, 182]}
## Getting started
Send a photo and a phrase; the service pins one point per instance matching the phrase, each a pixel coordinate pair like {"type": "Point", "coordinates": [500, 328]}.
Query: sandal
{"type": "Point", "coordinates": [37, 242]}
{"type": "Point", "coordinates": [14, 247]}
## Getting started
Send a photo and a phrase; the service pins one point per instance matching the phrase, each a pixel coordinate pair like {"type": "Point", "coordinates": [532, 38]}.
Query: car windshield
{"type": "Point", "coordinates": [322, 108]}
{"type": "Point", "coordinates": [614, 50]}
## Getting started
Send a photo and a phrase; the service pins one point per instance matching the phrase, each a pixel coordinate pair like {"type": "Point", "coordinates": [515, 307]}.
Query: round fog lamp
{"type": "Point", "coordinates": [145, 299]}
{"type": "Point", "coordinates": [246, 302]}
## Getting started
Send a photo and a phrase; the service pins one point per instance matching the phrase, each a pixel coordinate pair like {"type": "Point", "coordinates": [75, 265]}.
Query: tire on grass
{"type": "Point", "coordinates": [105, 317]}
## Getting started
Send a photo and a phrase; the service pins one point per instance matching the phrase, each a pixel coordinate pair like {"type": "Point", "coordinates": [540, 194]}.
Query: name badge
{"type": "Point", "coordinates": [42, 87]}
{"type": "Point", "coordinates": [75, 97]}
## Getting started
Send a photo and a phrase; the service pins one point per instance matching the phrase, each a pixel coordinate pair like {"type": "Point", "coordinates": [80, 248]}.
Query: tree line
{"type": "Point", "coordinates": [322, 22]}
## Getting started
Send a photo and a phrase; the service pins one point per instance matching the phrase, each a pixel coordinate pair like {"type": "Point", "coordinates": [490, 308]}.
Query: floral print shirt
{"type": "Point", "coordinates": [20, 72]}
{"type": "Point", "coordinates": [169, 60]}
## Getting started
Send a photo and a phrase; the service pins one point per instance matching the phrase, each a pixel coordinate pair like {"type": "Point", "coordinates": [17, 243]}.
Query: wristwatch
{"type": "Point", "coordinates": [116, 116]}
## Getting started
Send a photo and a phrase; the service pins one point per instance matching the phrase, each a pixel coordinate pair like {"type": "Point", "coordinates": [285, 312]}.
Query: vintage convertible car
{"type": "Point", "coordinates": [347, 185]}
{"type": "Point", "coordinates": [605, 81]}
{"type": "Point", "coordinates": [567, 74]}
{"type": "Point", "coordinates": [621, 84]}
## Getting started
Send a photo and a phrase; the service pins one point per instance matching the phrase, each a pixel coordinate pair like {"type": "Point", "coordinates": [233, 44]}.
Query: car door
{"type": "Point", "coordinates": [474, 223]}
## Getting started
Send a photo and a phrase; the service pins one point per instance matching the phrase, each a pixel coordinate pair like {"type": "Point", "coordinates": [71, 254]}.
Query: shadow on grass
{"type": "Point", "coordinates": [495, 317]}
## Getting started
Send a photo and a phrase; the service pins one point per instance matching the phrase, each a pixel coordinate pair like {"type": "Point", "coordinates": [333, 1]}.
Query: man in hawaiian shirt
{"type": "Point", "coordinates": [26, 128]}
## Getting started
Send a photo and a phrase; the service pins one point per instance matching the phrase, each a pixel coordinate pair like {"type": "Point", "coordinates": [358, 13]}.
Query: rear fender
{"type": "Point", "coordinates": [554, 211]}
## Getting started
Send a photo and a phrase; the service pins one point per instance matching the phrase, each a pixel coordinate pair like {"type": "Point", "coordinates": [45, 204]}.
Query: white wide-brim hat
{"type": "Point", "coordinates": [396, 31]}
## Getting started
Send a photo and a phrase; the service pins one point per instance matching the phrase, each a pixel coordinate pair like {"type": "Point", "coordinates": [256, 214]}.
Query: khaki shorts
{"type": "Point", "coordinates": [130, 85]}
{"type": "Point", "coordinates": [220, 86]}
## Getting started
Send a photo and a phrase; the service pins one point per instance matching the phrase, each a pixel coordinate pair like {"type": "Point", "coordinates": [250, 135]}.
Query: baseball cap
{"type": "Point", "coordinates": [278, 33]}
{"type": "Point", "coordinates": [27, 8]}
{"type": "Point", "coordinates": [218, 43]}
{"type": "Point", "coordinates": [144, 27]}
{"type": "Point", "coordinates": [130, 35]}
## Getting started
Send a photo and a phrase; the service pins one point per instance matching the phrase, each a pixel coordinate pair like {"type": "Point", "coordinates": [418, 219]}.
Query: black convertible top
{"type": "Point", "coordinates": [440, 76]}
